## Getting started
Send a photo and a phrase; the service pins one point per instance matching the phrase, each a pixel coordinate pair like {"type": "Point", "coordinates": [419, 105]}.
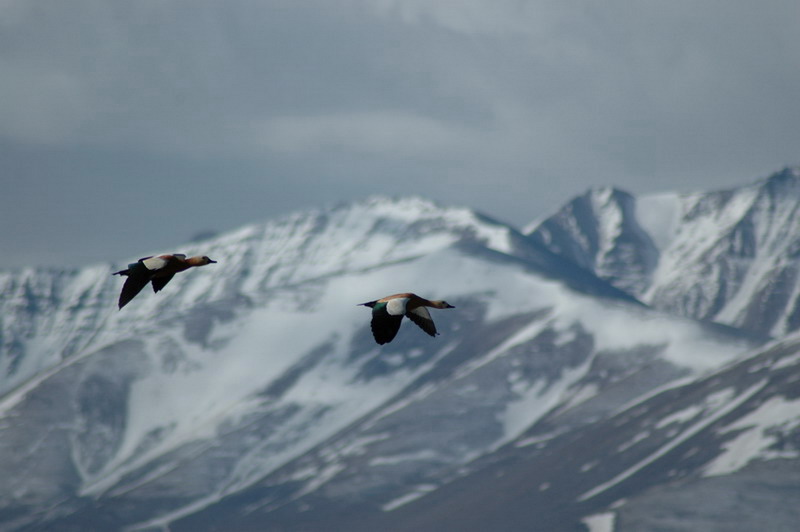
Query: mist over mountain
{"type": "Point", "coordinates": [626, 364]}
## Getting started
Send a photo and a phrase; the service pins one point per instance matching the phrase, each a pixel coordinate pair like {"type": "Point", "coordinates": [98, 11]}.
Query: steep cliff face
{"type": "Point", "coordinates": [600, 232]}
{"type": "Point", "coordinates": [728, 256]}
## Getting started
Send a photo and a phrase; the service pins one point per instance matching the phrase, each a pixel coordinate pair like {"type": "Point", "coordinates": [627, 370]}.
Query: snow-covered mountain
{"type": "Point", "coordinates": [249, 395]}
{"type": "Point", "coordinates": [730, 256]}
{"type": "Point", "coordinates": [718, 453]}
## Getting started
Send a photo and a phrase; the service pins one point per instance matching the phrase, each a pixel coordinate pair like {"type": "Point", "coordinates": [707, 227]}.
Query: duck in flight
{"type": "Point", "coordinates": [158, 270]}
{"type": "Point", "coordinates": [388, 312]}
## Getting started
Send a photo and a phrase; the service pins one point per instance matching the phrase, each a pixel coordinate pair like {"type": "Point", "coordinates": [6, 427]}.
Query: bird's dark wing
{"type": "Point", "coordinates": [161, 282]}
{"type": "Point", "coordinates": [138, 277]}
{"type": "Point", "coordinates": [422, 317]}
{"type": "Point", "coordinates": [384, 325]}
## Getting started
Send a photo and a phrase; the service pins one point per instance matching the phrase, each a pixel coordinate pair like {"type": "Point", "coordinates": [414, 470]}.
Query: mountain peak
{"type": "Point", "coordinates": [783, 180]}
{"type": "Point", "coordinates": [608, 193]}
{"type": "Point", "coordinates": [725, 255]}
{"type": "Point", "coordinates": [787, 173]}
{"type": "Point", "coordinates": [598, 231]}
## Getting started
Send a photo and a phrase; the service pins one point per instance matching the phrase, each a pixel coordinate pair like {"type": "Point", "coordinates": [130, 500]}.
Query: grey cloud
{"type": "Point", "coordinates": [132, 109]}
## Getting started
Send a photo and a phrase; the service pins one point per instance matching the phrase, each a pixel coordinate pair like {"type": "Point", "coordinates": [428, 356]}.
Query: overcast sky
{"type": "Point", "coordinates": [127, 127]}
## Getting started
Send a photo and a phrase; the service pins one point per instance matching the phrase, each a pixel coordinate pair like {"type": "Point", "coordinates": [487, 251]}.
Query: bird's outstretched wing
{"type": "Point", "coordinates": [422, 317]}
{"type": "Point", "coordinates": [138, 277]}
{"type": "Point", "coordinates": [384, 325]}
{"type": "Point", "coordinates": [161, 282]}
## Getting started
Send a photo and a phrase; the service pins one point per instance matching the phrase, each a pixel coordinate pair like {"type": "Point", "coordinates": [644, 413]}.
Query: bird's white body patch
{"type": "Point", "coordinates": [154, 263]}
{"type": "Point", "coordinates": [397, 306]}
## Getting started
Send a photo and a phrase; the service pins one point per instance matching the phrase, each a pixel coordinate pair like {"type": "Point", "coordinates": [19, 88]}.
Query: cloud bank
{"type": "Point", "coordinates": [134, 109]}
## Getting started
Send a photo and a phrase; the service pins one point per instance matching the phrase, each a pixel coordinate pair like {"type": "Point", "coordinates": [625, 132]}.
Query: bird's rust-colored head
{"type": "Point", "coordinates": [200, 261]}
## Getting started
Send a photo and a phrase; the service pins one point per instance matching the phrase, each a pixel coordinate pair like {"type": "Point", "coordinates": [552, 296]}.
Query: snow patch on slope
{"type": "Point", "coordinates": [658, 215]}
{"type": "Point", "coordinates": [682, 437]}
{"type": "Point", "coordinates": [537, 399]}
{"type": "Point", "coordinates": [762, 429]}
{"type": "Point", "coordinates": [600, 522]}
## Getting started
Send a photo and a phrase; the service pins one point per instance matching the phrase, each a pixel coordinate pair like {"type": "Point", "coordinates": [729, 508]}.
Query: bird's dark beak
{"type": "Point", "coordinates": [449, 306]}
{"type": "Point", "coordinates": [212, 261]}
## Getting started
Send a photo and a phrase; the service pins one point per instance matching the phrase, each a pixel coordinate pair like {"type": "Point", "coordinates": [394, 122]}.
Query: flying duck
{"type": "Point", "coordinates": [158, 270]}
{"type": "Point", "coordinates": [388, 312]}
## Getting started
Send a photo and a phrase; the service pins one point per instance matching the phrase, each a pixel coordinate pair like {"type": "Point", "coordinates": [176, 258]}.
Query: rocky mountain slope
{"type": "Point", "coordinates": [729, 256]}
{"type": "Point", "coordinates": [249, 395]}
